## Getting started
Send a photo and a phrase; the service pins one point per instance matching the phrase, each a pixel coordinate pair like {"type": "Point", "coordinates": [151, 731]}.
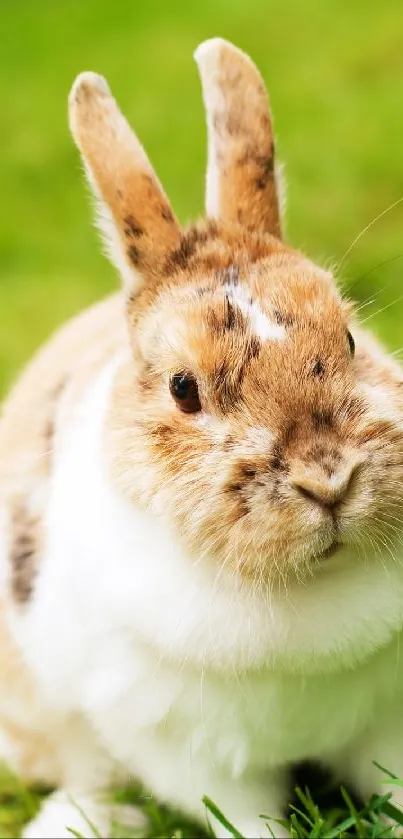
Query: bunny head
{"type": "Point", "coordinates": [254, 416]}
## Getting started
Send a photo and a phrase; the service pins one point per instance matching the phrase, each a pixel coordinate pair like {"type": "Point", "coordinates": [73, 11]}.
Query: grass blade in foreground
{"type": "Point", "coordinates": [213, 809]}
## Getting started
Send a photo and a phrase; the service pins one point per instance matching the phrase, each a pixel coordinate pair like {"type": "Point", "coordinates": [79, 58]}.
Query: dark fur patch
{"type": "Point", "coordinates": [23, 552]}
{"type": "Point", "coordinates": [222, 374]}
{"type": "Point", "coordinates": [134, 255]}
{"type": "Point", "coordinates": [353, 407]}
{"type": "Point", "coordinates": [226, 388]}
{"type": "Point", "coordinates": [229, 276]}
{"type": "Point", "coordinates": [252, 349]}
{"type": "Point", "coordinates": [328, 467]}
{"type": "Point", "coordinates": [166, 213]}
{"type": "Point", "coordinates": [132, 229]}
{"type": "Point", "coordinates": [247, 471]}
{"type": "Point", "coordinates": [229, 319]}
{"type": "Point", "coordinates": [228, 382]}
{"type": "Point", "coordinates": [321, 420]}
{"type": "Point", "coordinates": [228, 443]}
{"type": "Point", "coordinates": [266, 166]}
{"type": "Point", "coordinates": [162, 432]}
{"type": "Point", "coordinates": [243, 475]}
{"type": "Point", "coordinates": [319, 369]}
{"type": "Point", "coordinates": [283, 319]}
{"type": "Point", "coordinates": [326, 457]}
{"type": "Point", "coordinates": [233, 318]}
{"type": "Point", "coordinates": [277, 458]}
{"type": "Point", "coordinates": [178, 259]}
{"type": "Point", "coordinates": [235, 489]}
{"type": "Point", "coordinates": [214, 322]}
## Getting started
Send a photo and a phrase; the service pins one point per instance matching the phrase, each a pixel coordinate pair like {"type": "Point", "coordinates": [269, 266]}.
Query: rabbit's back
{"type": "Point", "coordinates": [33, 416]}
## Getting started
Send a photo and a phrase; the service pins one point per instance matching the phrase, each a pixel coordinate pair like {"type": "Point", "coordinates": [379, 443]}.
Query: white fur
{"type": "Point", "coordinates": [262, 326]}
{"type": "Point", "coordinates": [192, 685]}
{"type": "Point", "coordinates": [4, 564]}
{"type": "Point", "coordinates": [215, 101]}
{"type": "Point", "coordinates": [63, 813]}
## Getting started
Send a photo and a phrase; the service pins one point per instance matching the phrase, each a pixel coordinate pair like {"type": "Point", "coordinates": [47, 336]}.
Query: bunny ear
{"type": "Point", "coordinates": [241, 181]}
{"type": "Point", "coordinates": [135, 216]}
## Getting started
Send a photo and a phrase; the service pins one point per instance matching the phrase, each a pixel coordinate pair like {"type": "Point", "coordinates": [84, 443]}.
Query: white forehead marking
{"type": "Point", "coordinates": [263, 327]}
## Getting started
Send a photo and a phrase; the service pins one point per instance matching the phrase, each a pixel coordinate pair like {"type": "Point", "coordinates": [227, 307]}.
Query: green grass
{"type": "Point", "coordinates": [336, 816]}
{"type": "Point", "coordinates": [335, 73]}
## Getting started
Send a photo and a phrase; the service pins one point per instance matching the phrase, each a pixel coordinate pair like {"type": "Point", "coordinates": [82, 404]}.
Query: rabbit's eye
{"type": "Point", "coordinates": [183, 387]}
{"type": "Point", "coordinates": [351, 344]}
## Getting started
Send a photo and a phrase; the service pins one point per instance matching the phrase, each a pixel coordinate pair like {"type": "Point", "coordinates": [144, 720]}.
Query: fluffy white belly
{"type": "Point", "coordinates": [154, 715]}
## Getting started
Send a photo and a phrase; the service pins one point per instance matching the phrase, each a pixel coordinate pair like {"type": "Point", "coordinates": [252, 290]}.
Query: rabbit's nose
{"type": "Point", "coordinates": [318, 486]}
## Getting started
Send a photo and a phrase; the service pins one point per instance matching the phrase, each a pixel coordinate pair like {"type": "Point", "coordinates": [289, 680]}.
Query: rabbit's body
{"type": "Point", "coordinates": [170, 605]}
{"type": "Point", "coordinates": [126, 635]}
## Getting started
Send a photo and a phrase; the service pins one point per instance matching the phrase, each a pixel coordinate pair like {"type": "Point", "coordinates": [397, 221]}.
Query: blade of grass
{"type": "Point", "coordinates": [393, 812]}
{"type": "Point", "coordinates": [90, 824]}
{"type": "Point", "coordinates": [214, 810]}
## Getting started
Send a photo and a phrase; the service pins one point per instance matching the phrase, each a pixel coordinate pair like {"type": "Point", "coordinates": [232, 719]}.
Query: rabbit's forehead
{"type": "Point", "coordinates": [274, 290]}
{"type": "Point", "coordinates": [250, 307]}
{"type": "Point", "coordinates": [253, 339]}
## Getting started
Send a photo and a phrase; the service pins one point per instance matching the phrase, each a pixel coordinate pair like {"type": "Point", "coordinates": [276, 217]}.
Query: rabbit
{"type": "Point", "coordinates": [201, 482]}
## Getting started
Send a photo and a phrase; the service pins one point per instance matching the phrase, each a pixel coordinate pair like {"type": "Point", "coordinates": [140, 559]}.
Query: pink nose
{"type": "Point", "coordinates": [315, 485]}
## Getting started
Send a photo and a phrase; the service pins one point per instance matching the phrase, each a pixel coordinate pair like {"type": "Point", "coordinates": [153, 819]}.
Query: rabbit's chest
{"type": "Point", "coordinates": [271, 718]}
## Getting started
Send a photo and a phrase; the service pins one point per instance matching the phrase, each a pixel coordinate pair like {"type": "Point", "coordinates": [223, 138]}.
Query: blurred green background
{"type": "Point", "coordinates": [335, 74]}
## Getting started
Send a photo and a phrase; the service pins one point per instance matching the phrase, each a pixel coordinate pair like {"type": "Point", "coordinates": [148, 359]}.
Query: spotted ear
{"type": "Point", "coordinates": [241, 178]}
{"type": "Point", "coordinates": [135, 217]}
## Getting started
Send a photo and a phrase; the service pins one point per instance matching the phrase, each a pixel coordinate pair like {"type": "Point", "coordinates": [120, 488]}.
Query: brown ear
{"type": "Point", "coordinates": [241, 180]}
{"type": "Point", "coordinates": [135, 217]}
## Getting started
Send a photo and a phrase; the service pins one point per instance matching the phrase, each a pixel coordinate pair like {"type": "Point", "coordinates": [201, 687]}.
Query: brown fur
{"type": "Point", "coordinates": [24, 550]}
{"type": "Point", "coordinates": [241, 138]}
{"type": "Point", "coordinates": [314, 418]}
{"type": "Point", "coordinates": [118, 165]}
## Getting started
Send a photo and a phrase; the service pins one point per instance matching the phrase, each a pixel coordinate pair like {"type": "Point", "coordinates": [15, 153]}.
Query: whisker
{"type": "Point", "coordinates": [388, 306]}
{"type": "Point", "coordinates": [367, 227]}
{"type": "Point", "coordinates": [372, 270]}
